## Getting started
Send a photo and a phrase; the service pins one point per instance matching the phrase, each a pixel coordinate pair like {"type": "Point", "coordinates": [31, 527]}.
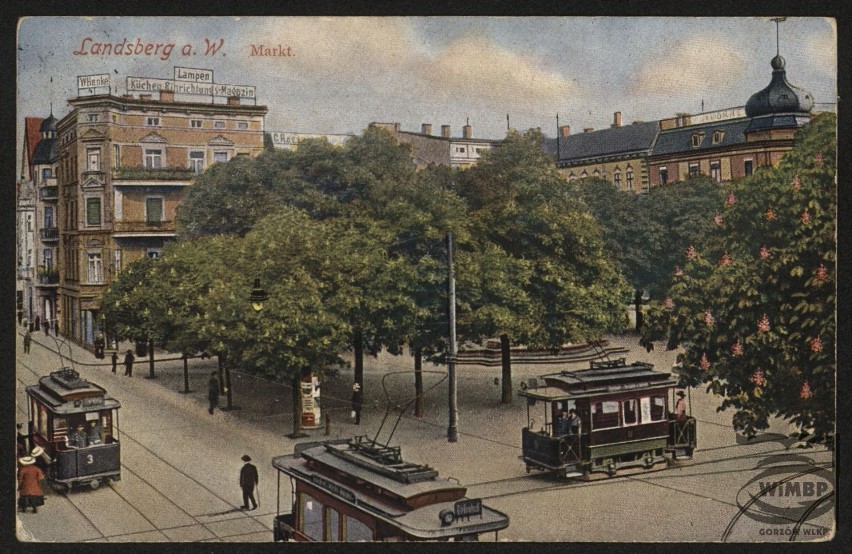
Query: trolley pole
{"type": "Point", "coordinates": [452, 430]}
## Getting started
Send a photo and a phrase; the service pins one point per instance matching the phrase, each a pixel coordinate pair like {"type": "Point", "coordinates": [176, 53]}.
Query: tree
{"type": "Point", "coordinates": [553, 249]}
{"type": "Point", "coordinates": [754, 306]}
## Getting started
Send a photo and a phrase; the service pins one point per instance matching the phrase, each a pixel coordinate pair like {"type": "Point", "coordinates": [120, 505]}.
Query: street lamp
{"type": "Point", "coordinates": [258, 296]}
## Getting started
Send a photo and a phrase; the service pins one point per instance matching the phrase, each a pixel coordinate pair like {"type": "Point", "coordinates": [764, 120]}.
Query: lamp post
{"type": "Point", "coordinates": [258, 296]}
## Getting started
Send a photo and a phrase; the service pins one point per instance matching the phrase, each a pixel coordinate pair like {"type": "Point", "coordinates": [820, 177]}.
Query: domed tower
{"type": "Point", "coordinates": [780, 105]}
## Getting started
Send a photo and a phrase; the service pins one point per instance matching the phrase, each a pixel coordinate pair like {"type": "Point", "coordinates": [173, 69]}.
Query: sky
{"type": "Point", "coordinates": [344, 73]}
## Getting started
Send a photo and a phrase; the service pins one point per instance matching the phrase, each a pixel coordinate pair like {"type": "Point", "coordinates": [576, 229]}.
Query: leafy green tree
{"type": "Point", "coordinates": [754, 306]}
{"type": "Point", "coordinates": [571, 288]}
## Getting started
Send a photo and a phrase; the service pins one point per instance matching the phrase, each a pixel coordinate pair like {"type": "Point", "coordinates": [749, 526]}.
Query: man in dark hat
{"type": "Point", "coordinates": [213, 392]}
{"type": "Point", "coordinates": [128, 363]}
{"type": "Point", "coordinates": [680, 407]}
{"type": "Point", "coordinates": [248, 480]}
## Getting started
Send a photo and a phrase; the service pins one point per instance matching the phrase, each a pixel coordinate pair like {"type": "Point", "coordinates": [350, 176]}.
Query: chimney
{"type": "Point", "coordinates": [426, 128]}
{"type": "Point", "coordinates": [396, 127]}
{"type": "Point", "coordinates": [565, 131]}
{"type": "Point", "coordinates": [588, 129]}
{"type": "Point", "coordinates": [445, 131]}
{"type": "Point", "coordinates": [167, 96]}
{"type": "Point", "coordinates": [233, 100]}
{"type": "Point", "coordinates": [467, 130]}
{"type": "Point", "coordinates": [616, 120]}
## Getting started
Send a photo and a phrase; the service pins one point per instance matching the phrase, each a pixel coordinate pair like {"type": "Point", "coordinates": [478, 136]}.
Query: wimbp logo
{"type": "Point", "coordinates": [791, 489]}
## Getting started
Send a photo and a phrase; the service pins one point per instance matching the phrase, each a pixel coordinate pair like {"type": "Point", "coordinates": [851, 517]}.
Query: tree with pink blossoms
{"type": "Point", "coordinates": [770, 351]}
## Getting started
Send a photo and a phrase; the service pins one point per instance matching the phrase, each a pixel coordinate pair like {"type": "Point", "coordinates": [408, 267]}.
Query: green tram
{"type": "Point", "coordinates": [623, 420]}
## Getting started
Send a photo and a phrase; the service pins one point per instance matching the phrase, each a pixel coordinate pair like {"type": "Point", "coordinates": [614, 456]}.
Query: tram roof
{"type": "Point", "coordinates": [65, 392]}
{"type": "Point", "coordinates": [601, 378]}
{"type": "Point", "coordinates": [421, 522]}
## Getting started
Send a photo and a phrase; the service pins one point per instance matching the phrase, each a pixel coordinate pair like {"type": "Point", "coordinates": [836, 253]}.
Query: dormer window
{"type": "Point", "coordinates": [697, 139]}
{"type": "Point", "coordinates": [718, 136]}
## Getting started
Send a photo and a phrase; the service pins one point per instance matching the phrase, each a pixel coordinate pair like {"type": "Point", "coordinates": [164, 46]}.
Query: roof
{"type": "Point", "coordinates": [31, 138]}
{"type": "Point", "coordinates": [778, 121]}
{"type": "Point", "coordinates": [628, 139]}
{"type": "Point", "coordinates": [65, 392]}
{"type": "Point", "coordinates": [679, 139]}
{"type": "Point", "coordinates": [422, 522]}
{"type": "Point", "coordinates": [601, 378]}
{"type": "Point", "coordinates": [779, 96]}
{"type": "Point", "coordinates": [46, 152]}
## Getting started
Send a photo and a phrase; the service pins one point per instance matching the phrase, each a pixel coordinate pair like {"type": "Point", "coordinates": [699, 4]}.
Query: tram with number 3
{"type": "Point", "coordinates": [358, 490]}
{"type": "Point", "coordinates": [74, 422]}
{"type": "Point", "coordinates": [624, 421]}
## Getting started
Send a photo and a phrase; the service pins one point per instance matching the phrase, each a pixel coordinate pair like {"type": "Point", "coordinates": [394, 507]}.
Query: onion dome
{"type": "Point", "coordinates": [48, 125]}
{"type": "Point", "coordinates": [780, 96]}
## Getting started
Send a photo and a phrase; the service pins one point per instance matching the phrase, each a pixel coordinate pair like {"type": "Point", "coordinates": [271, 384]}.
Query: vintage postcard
{"type": "Point", "coordinates": [550, 279]}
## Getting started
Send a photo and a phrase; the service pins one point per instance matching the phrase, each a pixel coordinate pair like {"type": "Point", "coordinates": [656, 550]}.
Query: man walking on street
{"type": "Point", "coordinates": [213, 392]}
{"type": "Point", "coordinates": [248, 480]}
{"type": "Point", "coordinates": [114, 361]}
{"type": "Point", "coordinates": [28, 339]}
{"type": "Point", "coordinates": [128, 363]}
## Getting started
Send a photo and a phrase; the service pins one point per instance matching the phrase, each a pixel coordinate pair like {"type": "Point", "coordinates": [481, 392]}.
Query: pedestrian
{"type": "Point", "coordinates": [680, 407]}
{"type": "Point", "coordinates": [128, 363]}
{"type": "Point", "coordinates": [28, 485]}
{"type": "Point", "coordinates": [28, 339]}
{"type": "Point", "coordinates": [356, 403]}
{"type": "Point", "coordinates": [46, 326]}
{"type": "Point", "coordinates": [248, 480]}
{"type": "Point", "coordinates": [213, 392]}
{"type": "Point", "coordinates": [114, 361]}
{"type": "Point", "coordinates": [99, 346]}
{"type": "Point", "coordinates": [41, 459]}
{"type": "Point", "coordinates": [37, 323]}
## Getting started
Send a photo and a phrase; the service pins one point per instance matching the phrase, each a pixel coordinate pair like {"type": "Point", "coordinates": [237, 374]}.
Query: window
{"type": "Point", "coordinates": [48, 216]}
{"type": "Point", "coordinates": [749, 167]}
{"type": "Point", "coordinates": [616, 177]}
{"type": "Point", "coordinates": [117, 260]}
{"type": "Point", "coordinates": [48, 259]}
{"type": "Point", "coordinates": [629, 179]}
{"type": "Point", "coordinates": [697, 139]}
{"type": "Point", "coordinates": [310, 522]}
{"type": "Point", "coordinates": [153, 210]}
{"type": "Point", "coordinates": [658, 408]}
{"type": "Point", "coordinates": [93, 118]}
{"type": "Point", "coordinates": [218, 124]}
{"type": "Point", "coordinates": [152, 121]}
{"type": "Point", "coordinates": [196, 161]}
{"type": "Point", "coordinates": [195, 123]}
{"type": "Point", "coordinates": [95, 268]}
{"type": "Point", "coordinates": [29, 223]}
{"type": "Point", "coordinates": [332, 525]}
{"type": "Point", "coordinates": [664, 175]}
{"type": "Point", "coordinates": [605, 415]}
{"type": "Point", "coordinates": [153, 158]}
{"type": "Point", "coordinates": [630, 411]}
{"type": "Point", "coordinates": [242, 124]}
{"type": "Point", "coordinates": [220, 157]}
{"type": "Point", "coordinates": [46, 173]}
{"type": "Point", "coordinates": [93, 159]}
{"type": "Point", "coordinates": [93, 211]}
{"type": "Point", "coordinates": [718, 136]}
{"type": "Point", "coordinates": [154, 253]}
{"type": "Point", "coordinates": [693, 170]}
{"type": "Point", "coordinates": [716, 171]}
{"type": "Point", "coordinates": [357, 531]}
{"type": "Point", "coordinates": [116, 156]}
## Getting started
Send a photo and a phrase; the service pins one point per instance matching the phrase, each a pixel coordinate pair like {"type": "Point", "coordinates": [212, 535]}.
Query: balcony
{"type": "Point", "coordinates": [47, 234]}
{"type": "Point", "coordinates": [48, 277]}
{"type": "Point", "coordinates": [151, 174]}
{"type": "Point", "coordinates": [50, 192]}
{"type": "Point", "coordinates": [145, 227]}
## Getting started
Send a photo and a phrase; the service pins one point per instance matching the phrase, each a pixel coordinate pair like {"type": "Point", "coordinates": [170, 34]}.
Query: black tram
{"type": "Point", "coordinates": [624, 421]}
{"type": "Point", "coordinates": [75, 423]}
{"type": "Point", "coordinates": [357, 490]}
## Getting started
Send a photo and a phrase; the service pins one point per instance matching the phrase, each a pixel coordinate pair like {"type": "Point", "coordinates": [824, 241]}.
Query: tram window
{"type": "Point", "coordinates": [658, 408]}
{"type": "Point", "coordinates": [357, 531]}
{"type": "Point", "coordinates": [332, 524]}
{"type": "Point", "coordinates": [311, 520]}
{"type": "Point", "coordinates": [60, 425]}
{"type": "Point", "coordinates": [631, 416]}
{"type": "Point", "coordinates": [605, 415]}
{"type": "Point", "coordinates": [42, 421]}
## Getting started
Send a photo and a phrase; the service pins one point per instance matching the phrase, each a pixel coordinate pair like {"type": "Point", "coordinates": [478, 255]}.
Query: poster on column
{"type": "Point", "coordinates": [564, 264]}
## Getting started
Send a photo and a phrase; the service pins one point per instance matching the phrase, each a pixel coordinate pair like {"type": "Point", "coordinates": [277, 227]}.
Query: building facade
{"type": "Point", "coordinates": [26, 197]}
{"type": "Point", "coordinates": [46, 239]}
{"type": "Point", "coordinates": [125, 163]}
{"type": "Point", "coordinates": [440, 150]}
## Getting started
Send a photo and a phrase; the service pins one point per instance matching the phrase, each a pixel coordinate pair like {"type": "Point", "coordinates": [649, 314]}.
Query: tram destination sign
{"type": "Point", "coordinates": [201, 88]}
{"type": "Point", "coordinates": [334, 488]}
{"type": "Point", "coordinates": [468, 508]}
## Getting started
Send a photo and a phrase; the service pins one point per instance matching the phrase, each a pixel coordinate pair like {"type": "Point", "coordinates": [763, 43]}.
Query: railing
{"type": "Point", "coordinates": [49, 233]}
{"type": "Point", "coordinates": [148, 174]}
{"type": "Point", "coordinates": [49, 192]}
{"type": "Point", "coordinates": [48, 277]}
{"type": "Point", "coordinates": [143, 226]}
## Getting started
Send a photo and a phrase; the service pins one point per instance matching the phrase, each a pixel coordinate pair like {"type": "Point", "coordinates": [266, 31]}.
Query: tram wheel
{"type": "Point", "coordinates": [611, 470]}
{"type": "Point", "coordinates": [95, 483]}
{"type": "Point", "coordinates": [60, 488]}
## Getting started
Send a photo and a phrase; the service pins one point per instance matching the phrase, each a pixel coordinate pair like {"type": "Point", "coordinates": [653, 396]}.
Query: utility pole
{"type": "Point", "coordinates": [452, 430]}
